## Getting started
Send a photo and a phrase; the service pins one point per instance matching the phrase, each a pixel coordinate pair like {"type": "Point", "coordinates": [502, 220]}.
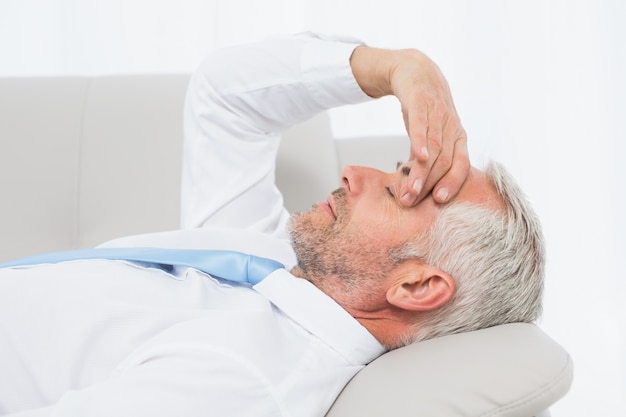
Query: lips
{"type": "Point", "coordinates": [330, 204]}
{"type": "Point", "coordinates": [328, 207]}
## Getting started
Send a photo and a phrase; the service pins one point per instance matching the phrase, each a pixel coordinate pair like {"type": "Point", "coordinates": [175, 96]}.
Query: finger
{"type": "Point", "coordinates": [442, 161]}
{"type": "Point", "coordinates": [421, 179]}
{"type": "Point", "coordinates": [445, 175]}
{"type": "Point", "coordinates": [412, 186]}
{"type": "Point", "coordinates": [436, 121]}
{"type": "Point", "coordinates": [405, 118]}
{"type": "Point", "coordinates": [450, 184]}
{"type": "Point", "coordinates": [413, 189]}
{"type": "Point", "coordinates": [416, 123]}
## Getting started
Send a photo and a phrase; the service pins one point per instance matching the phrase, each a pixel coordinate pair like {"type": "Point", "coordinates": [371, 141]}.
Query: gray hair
{"type": "Point", "coordinates": [496, 259]}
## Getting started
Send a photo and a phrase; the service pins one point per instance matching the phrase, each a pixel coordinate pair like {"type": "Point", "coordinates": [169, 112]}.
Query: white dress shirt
{"type": "Point", "coordinates": [113, 338]}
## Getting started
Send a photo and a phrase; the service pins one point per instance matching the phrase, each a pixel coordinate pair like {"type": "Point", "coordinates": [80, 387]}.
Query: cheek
{"type": "Point", "coordinates": [369, 231]}
{"type": "Point", "coordinates": [382, 221]}
{"type": "Point", "coordinates": [394, 227]}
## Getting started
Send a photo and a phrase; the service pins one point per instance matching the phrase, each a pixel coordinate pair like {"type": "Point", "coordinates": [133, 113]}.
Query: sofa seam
{"type": "Point", "coordinates": [563, 374]}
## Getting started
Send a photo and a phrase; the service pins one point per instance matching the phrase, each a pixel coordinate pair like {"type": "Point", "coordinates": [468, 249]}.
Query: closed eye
{"type": "Point", "coordinates": [404, 170]}
{"type": "Point", "coordinates": [398, 165]}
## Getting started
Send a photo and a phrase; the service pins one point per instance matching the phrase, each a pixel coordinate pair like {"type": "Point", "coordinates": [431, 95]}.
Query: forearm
{"type": "Point", "coordinates": [278, 82]}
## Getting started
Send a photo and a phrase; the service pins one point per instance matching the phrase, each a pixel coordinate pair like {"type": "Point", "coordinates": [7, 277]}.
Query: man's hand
{"type": "Point", "coordinates": [439, 159]}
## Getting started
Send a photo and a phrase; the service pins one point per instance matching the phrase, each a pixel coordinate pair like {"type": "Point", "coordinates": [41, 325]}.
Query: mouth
{"type": "Point", "coordinates": [331, 205]}
{"type": "Point", "coordinates": [328, 206]}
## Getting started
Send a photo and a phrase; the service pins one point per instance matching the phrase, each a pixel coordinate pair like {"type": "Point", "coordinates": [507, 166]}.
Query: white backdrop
{"type": "Point", "coordinates": [539, 85]}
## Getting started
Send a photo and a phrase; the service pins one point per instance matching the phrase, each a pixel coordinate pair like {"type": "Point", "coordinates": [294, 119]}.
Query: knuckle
{"type": "Point", "coordinates": [443, 161]}
{"type": "Point", "coordinates": [434, 141]}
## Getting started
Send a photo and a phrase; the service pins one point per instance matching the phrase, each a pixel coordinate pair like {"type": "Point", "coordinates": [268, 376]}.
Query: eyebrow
{"type": "Point", "coordinates": [405, 169]}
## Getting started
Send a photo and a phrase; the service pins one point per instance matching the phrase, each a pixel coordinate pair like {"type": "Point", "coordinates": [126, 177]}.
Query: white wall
{"type": "Point", "coordinates": [539, 85]}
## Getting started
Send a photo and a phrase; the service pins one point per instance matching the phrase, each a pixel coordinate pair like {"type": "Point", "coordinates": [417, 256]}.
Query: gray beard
{"type": "Point", "coordinates": [330, 253]}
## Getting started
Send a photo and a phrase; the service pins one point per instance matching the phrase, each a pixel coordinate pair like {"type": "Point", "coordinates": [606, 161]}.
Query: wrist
{"type": "Point", "coordinates": [372, 69]}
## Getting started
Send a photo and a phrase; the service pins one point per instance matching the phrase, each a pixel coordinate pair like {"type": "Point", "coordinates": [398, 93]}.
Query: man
{"type": "Point", "coordinates": [432, 248]}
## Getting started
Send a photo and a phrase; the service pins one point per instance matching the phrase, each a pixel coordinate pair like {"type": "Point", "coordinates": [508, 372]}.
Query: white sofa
{"type": "Point", "coordinates": [85, 160]}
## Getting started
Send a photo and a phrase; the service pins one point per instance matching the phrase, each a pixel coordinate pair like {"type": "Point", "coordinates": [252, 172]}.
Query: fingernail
{"type": "Point", "coordinates": [425, 152]}
{"type": "Point", "coordinates": [442, 194]}
{"type": "Point", "coordinates": [417, 186]}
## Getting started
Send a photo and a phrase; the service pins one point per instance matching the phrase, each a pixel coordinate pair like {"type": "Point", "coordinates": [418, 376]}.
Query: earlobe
{"type": "Point", "coordinates": [423, 288]}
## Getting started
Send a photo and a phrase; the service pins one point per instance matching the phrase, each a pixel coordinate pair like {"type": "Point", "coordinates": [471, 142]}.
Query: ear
{"type": "Point", "coordinates": [420, 287]}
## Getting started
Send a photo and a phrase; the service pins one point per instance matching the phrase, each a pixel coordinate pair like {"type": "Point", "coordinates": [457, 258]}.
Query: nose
{"type": "Point", "coordinates": [355, 179]}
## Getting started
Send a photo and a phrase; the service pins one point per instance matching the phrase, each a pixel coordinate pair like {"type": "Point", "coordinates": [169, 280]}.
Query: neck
{"type": "Point", "coordinates": [388, 324]}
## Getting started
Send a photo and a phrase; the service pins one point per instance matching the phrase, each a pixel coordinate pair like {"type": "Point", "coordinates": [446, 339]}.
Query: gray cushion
{"type": "Point", "coordinates": [512, 370]}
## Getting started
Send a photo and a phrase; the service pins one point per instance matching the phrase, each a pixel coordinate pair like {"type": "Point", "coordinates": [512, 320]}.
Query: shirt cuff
{"type": "Point", "coordinates": [325, 65]}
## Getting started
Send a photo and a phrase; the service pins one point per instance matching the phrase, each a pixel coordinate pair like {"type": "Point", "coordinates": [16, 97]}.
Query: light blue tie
{"type": "Point", "coordinates": [224, 264]}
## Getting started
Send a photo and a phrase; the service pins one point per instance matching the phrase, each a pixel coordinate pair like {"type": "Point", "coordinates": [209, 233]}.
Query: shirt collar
{"type": "Point", "coordinates": [320, 315]}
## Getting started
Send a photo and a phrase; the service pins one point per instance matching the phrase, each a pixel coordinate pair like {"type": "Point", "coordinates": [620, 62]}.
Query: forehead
{"type": "Point", "coordinates": [477, 189]}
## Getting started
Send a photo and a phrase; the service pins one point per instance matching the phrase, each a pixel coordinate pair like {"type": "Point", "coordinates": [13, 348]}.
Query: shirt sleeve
{"type": "Point", "coordinates": [238, 102]}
